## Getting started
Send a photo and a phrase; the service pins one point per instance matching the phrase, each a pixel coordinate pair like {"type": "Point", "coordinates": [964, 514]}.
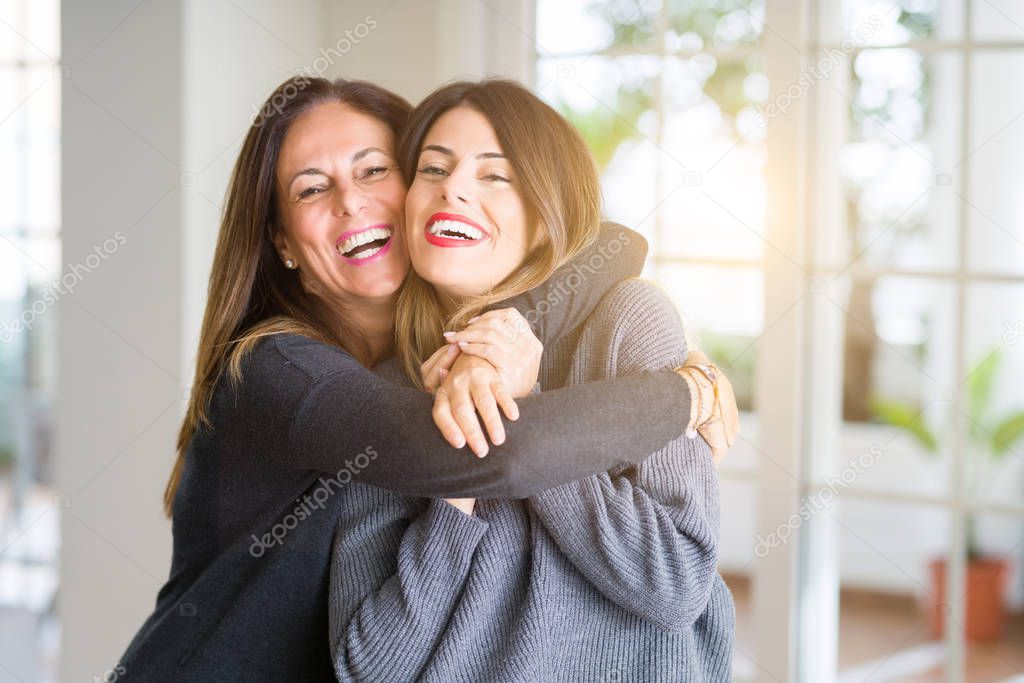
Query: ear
{"type": "Point", "coordinates": [281, 246]}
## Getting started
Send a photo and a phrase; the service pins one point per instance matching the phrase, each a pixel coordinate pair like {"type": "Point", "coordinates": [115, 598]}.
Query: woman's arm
{"type": "Point", "coordinates": [397, 570]}
{"type": "Point", "coordinates": [645, 536]}
{"type": "Point", "coordinates": [560, 436]}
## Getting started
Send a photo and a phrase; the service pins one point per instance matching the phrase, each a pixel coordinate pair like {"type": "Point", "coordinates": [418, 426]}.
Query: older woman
{"type": "Point", "coordinates": [284, 413]}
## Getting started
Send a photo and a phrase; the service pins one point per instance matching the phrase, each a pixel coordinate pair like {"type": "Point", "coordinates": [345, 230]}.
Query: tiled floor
{"type": "Point", "coordinates": [884, 638]}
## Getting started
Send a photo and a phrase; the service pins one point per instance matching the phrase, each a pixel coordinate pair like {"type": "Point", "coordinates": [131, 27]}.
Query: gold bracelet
{"type": "Point", "coordinates": [703, 417]}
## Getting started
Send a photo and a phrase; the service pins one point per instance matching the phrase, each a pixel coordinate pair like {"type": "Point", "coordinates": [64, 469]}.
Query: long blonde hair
{"type": "Point", "coordinates": [251, 294]}
{"type": "Point", "coordinates": [556, 178]}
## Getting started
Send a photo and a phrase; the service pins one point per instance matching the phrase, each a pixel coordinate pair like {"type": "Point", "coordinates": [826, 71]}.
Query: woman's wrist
{"type": "Point", "coordinates": [694, 416]}
{"type": "Point", "coordinates": [701, 403]}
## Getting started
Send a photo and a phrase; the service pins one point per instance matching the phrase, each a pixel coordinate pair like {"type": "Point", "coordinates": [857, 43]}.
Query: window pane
{"type": "Point", "coordinates": [596, 26]}
{"type": "Point", "coordinates": [889, 22]}
{"type": "Point", "coordinates": [888, 595]}
{"type": "Point", "coordinates": [995, 214]}
{"type": "Point", "coordinates": [994, 404]}
{"type": "Point", "coordinates": [723, 311]}
{"type": "Point", "coordinates": [29, 109]}
{"type": "Point", "coordinates": [738, 540]}
{"type": "Point", "coordinates": [998, 20]}
{"type": "Point", "coordinates": [29, 262]}
{"type": "Point", "coordinates": [898, 207]}
{"type": "Point", "coordinates": [611, 102]}
{"type": "Point", "coordinates": [719, 25]}
{"type": "Point", "coordinates": [898, 382]}
{"type": "Point", "coordinates": [29, 31]}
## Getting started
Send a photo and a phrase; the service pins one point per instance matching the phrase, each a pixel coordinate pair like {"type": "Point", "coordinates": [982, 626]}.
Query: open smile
{"type": "Point", "coordinates": [453, 230]}
{"type": "Point", "coordinates": [365, 245]}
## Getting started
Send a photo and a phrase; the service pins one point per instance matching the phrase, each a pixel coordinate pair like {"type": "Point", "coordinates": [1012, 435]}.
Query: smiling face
{"type": "Point", "coordinates": [341, 200]}
{"type": "Point", "coordinates": [467, 225]}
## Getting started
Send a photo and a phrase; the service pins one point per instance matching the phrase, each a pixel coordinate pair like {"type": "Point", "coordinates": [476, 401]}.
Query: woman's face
{"type": "Point", "coordinates": [342, 199]}
{"type": "Point", "coordinates": [467, 224]}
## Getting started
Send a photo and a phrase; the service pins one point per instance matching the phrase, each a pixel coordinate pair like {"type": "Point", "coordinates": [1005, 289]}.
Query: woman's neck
{"type": "Point", "coordinates": [373, 320]}
{"type": "Point", "coordinates": [448, 301]}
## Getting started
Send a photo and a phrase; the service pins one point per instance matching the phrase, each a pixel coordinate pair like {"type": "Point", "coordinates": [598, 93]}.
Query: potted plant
{"type": "Point", "coordinates": [991, 439]}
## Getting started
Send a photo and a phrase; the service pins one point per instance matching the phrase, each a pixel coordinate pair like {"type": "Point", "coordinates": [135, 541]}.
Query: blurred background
{"type": "Point", "coordinates": [833, 191]}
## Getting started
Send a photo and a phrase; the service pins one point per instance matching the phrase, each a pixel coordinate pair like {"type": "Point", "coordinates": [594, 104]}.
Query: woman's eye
{"type": "Point", "coordinates": [375, 170]}
{"type": "Point", "coordinates": [496, 177]}
{"type": "Point", "coordinates": [432, 170]}
{"type": "Point", "coordinates": [309, 191]}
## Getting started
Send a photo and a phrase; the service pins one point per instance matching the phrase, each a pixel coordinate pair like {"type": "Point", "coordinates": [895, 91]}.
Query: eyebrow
{"type": "Point", "coordinates": [355, 157]}
{"type": "Point", "coordinates": [448, 152]}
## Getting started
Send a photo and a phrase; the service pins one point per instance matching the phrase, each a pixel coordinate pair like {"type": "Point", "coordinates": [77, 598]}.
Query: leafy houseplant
{"type": "Point", "coordinates": [991, 439]}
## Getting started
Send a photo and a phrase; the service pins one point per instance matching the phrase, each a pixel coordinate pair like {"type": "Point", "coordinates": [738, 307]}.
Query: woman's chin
{"type": "Point", "coordinates": [377, 283]}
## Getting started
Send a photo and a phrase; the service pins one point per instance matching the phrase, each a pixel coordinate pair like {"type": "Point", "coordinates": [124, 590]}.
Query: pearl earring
{"type": "Point", "coordinates": [289, 264]}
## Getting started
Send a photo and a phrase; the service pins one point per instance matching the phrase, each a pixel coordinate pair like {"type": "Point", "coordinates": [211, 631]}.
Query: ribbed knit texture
{"type": "Point", "coordinates": [611, 578]}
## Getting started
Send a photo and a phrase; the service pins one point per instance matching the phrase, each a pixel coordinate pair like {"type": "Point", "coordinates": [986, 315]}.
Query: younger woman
{"type": "Point", "coordinates": [612, 577]}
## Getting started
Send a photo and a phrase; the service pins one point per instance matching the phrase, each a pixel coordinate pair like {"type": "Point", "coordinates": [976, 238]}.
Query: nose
{"type": "Point", "coordinates": [454, 189]}
{"type": "Point", "coordinates": [349, 201]}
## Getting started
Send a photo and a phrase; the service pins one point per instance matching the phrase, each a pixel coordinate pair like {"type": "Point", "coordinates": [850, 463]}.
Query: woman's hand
{"type": "Point", "coordinates": [718, 417]}
{"type": "Point", "coordinates": [473, 386]}
{"type": "Point", "coordinates": [504, 339]}
{"type": "Point", "coordinates": [436, 368]}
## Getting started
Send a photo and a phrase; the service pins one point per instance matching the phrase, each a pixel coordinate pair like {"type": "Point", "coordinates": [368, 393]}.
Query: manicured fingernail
{"type": "Point", "coordinates": [473, 319]}
{"type": "Point", "coordinates": [463, 344]}
{"type": "Point", "coordinates": [443, 373]}
{"type": "Point", "coordinates": [448, 334]}
{"type": "Point", "coordinates": [452, 348]}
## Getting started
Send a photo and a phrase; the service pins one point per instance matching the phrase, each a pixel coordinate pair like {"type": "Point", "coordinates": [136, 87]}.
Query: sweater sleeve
{"type": "Point", "coordinates": [645, 536]}
{"type": "Point", "coordinates": [560, 436]}
{"type": "Point", "coordinates": [397, 570]}
{"type": "Point", "coordinates": [571, 294]}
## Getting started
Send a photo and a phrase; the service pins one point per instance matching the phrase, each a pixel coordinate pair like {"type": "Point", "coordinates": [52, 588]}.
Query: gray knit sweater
{"type": "Point", "coordinates": [611, 578]}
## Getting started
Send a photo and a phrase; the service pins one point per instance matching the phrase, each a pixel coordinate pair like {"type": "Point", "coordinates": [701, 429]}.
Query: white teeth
{"type": "Point", "coordinates": [467, 232]}
{"type": "Point", "coordinates": [366, 254]}
{"type": "Point", "coordinates": [362, 238]}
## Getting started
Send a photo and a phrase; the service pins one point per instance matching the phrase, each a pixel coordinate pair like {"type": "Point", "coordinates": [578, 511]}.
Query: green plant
{"type": "Point", "coordinates": [992, 438]}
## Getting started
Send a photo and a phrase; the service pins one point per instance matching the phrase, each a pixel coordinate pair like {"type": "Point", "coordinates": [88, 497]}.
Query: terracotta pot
{"type": "Point", "coordinates": [985, 591]}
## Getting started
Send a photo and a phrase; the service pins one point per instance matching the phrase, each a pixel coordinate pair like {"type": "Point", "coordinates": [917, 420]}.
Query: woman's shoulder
{"type": "Point", "coordinates": [639, 323]}
{"type": "Point", "coordinates": [312, 357]}
{"type": "Point", "coordinates": [637, 301]}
